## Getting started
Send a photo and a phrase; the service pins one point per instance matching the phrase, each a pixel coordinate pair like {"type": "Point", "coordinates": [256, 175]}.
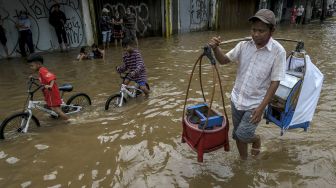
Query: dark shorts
{"type": "Point", "coordinates": [142, 83]}
{"type": "Point", "coordinates": [3, 38]}
{"type": "Point", "coordinates": [3, 41]}
{"type": "Point", "coordinates": [243, 130]}
{"type": "Point", "coordinates": [130, 33]}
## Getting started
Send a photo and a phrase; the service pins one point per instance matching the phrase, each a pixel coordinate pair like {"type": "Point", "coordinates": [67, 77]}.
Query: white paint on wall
{"type": "Point", "coordinates": [44, 36]}
{"type": "Point", "coordinates": [87, 23]}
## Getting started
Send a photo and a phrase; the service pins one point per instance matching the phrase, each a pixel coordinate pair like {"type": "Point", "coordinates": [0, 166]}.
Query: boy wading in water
{"type": "Point", "coordinates": [50, 91]}
{"type": "Point", "coordinates": [261, 66]}
{"type": "Point", "coordinates": [134, 64]}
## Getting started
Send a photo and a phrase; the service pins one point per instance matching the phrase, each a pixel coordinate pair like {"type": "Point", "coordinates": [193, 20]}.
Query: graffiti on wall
{"type": "Point", "coordinates": [141, 12]}
{"type": "Point", "coordinates": [198, 12]}
{"type": "Point", "coordinates": [44, 36]}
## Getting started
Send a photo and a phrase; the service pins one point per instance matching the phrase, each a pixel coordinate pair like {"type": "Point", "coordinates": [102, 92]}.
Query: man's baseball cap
{"type": "Point", "coordinates": [265, 15]}
{"type": "Point", "coordinates": [34, 58]}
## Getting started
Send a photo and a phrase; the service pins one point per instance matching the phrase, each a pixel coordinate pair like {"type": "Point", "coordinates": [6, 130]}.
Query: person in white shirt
{"type": "Point", "coordinates": [261, 66]}
{"type": "Point", "coordinates": [25, 34]}
{"type": "Point", "coordinates": [300, 11]}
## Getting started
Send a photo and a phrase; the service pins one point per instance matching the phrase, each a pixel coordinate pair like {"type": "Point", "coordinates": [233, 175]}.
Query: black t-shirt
{"type": "Point", "coordinates": [117, 26]}
{"type": "Point", "coordinates": [56, 18]}
{"type": "Point", "coordinates": [105, 23]}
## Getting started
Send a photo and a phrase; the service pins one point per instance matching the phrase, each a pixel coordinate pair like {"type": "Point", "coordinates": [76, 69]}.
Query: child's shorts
{"type": "Point", "coordinates": [52, 97]}
{"type": "Point", "coordinates": [142, 83]}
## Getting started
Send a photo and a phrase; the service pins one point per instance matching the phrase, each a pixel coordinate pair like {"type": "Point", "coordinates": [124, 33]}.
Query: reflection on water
{"type": "Point", "coordinates": [139, 145]}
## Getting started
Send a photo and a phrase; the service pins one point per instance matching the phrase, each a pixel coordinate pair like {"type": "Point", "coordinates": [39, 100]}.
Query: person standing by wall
{"type": "Point", "coordinates": [330, 11]}
{"type": "Point", "coordinates": [57, 19]}
{"type": "Point", "coordinates": [117, 28]}
{"type": "Point", "coordinates": [299, 14]}
{"type": "Point", "coordinates": [105, 27]}
{"type": "Point", "coordinates": [25, 34]}
{"type": "Point", "coordinates": [3, 38]}
{"type": "Point", "coordinates": [129, 23]}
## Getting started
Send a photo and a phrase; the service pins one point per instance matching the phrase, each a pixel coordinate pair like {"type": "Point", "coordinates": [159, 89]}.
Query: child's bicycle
{"type": "Point", "coordinates": [19, 122]}
{"type": "Point", "coordinates": [126, 92]}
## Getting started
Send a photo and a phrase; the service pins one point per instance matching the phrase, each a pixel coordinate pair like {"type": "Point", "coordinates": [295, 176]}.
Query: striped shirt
{"type": "Point", "coordinates": [133, 62]}
{"type": "Point", "coordinates": [256, 69]}
{"type": "Point", "coordinates": [129, 21]}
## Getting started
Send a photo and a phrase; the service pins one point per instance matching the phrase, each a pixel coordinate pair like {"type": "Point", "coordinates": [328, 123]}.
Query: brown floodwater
{"type": "Point", "coordinates": [139, 145]}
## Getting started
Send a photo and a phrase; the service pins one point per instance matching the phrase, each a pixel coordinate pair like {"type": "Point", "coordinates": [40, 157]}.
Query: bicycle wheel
{"type": "Point", "coordinates": [114, 101]}
{"type": "Point", "coordinates": [79, 99]}
{"type": "Point", "coordinates": [12, 126]}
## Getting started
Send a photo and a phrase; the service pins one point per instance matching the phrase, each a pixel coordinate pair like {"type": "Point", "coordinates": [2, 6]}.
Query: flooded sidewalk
{"type": "Point", "coordinates": [139, 145]}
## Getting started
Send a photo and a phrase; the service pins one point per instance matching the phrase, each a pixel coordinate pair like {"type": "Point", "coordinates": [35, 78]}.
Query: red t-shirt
{"type": "Point", "coordinates": [52, 95]}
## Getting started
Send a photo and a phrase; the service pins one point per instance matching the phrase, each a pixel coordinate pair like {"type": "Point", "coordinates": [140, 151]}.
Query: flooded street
{"type": "Point", "coordinates": [139, 145]}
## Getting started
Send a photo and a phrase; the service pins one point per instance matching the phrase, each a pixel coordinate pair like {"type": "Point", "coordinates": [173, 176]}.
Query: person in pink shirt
{"type": "Point", "coordinates": [293, 14]}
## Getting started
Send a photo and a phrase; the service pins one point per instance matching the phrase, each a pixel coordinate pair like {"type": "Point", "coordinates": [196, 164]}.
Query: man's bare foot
{"type": "Point", "coordinates": [255, 150]}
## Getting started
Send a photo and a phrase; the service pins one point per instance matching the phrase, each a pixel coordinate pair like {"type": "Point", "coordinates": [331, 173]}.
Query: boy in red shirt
{"type": "Point", "coordinates": [50, 91]}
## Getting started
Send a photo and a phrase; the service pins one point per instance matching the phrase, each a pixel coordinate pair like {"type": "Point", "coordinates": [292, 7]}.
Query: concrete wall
{"type": "Point", "coordinates": [235, 14]}
{"type": "Point", "coordinates": [44, 36]}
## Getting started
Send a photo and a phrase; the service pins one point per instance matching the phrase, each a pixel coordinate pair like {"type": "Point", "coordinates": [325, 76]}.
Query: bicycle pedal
{"type": "Point", "coordinates": [65, 109]}
{"type": "Point", "coordinates": [54, 117]}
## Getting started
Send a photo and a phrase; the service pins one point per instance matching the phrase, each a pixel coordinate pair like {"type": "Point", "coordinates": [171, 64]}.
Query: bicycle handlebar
{"type": "Point", "coordinates": [124, 75]}
{"type": "Point", "coordinates": [32, 82]}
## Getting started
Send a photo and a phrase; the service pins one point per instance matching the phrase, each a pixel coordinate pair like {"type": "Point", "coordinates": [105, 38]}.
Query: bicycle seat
{"type": "Point", "coordinates": [66, 88]}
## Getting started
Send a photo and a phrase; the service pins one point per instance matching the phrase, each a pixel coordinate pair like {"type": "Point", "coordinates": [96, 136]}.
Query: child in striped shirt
{"type": "Point", "coordinates": [134, 64]}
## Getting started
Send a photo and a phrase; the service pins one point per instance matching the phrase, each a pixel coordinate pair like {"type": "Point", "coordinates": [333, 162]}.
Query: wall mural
{"type": "Point", "coordinates": [44, 36]}
{"type": "Point", "coordinates": [141, 12]}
